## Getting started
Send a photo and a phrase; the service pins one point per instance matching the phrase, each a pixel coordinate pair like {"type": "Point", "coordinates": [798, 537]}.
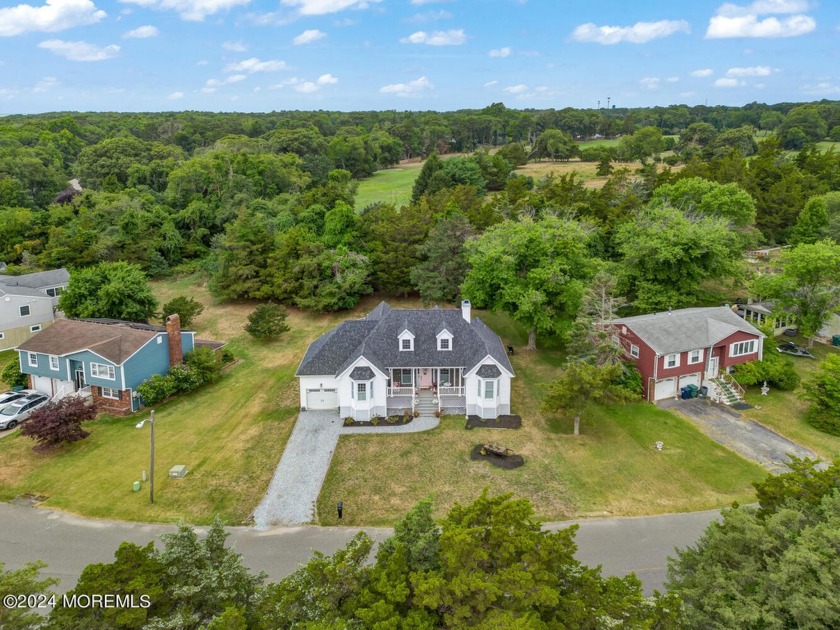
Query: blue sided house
{"type": "Point", "coordinates": [105, 359]}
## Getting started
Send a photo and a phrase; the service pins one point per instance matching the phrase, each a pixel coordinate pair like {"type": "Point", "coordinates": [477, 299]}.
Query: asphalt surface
{"type": "Point", "coordinates": [68, 543]}
{"type": "Point", "coordinates": [748, 438]}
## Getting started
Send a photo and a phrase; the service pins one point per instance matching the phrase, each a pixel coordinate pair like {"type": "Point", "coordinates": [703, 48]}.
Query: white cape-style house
{"type": "Point", "coordinates": [393, 360]}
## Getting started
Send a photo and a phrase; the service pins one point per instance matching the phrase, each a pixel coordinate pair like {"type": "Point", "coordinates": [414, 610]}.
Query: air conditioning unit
{"type": "Point", "coordinates": [178, 472]}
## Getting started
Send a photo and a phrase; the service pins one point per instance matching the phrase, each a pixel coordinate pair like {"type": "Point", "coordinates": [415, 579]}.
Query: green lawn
{"type": "Point", "coordinates": [612, 469]}
{"type": "Point", "coordinates": [785, 411]}
{"type": "Point", "coordinates": [229, 435]}
{"type": "Point", "coordinates": [392, 185]}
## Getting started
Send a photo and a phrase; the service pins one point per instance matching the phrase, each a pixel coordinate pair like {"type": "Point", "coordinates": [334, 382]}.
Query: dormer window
{"type": "Point", "coordinates": [406, 341]}
{"type": "Point", "coordinates": [444, 340]}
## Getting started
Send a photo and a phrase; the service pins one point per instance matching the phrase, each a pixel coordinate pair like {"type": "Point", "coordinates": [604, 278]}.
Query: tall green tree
{"type": "Point", "coordinates": [819, 219]}
{"type": "Point", "coordinates": [777, 566]}
{"type": "Point", "coordinates": [667, 254]}
{"type": "Point", "coordinates": [823, 392]}
{"type": "Point", "coordinates": [115, 290]}
{"type": "Point", "coordinates": [583, 384]}
{"type": "Point", "coordinates": [431, 167]}
{"type": "Point", "coordinates": [807, 287]}
{"type": "Point", "coordinates": [537, 271]}
{"type": "Point", "coordinates": [439, 277]}
{"type": "Point", "coordinates": [23, 582]}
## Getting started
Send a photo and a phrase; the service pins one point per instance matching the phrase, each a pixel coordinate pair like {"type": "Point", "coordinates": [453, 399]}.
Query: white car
{"type": "Point", "coordinates": [7, 398]}
{"type": "Point", "coordinates": [20, 410]}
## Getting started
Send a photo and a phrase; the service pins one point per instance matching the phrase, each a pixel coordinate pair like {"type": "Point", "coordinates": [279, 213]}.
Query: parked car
{"type": "Point", "coordinates": [20, 410]}
{"type": "Point", "coordinates": [7, 398]}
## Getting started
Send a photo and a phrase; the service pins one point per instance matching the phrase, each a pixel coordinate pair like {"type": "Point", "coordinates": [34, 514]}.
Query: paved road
{"type": "Point", "coordinates": [294, 489]}
{"type": "Point", "coordinates": [68, 543]}
{"type": "Point", "coordinates": [748, 438]}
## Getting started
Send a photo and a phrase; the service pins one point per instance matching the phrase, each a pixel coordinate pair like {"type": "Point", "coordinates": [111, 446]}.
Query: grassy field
{"type": "Point", "coordinates": [785, 411]}
{"type": "Point", "coordinates": [229, 435]}
{"type": "Point", "coordinates": [612, 469]}
{"type": "Point", "coordinates": [392, 185]}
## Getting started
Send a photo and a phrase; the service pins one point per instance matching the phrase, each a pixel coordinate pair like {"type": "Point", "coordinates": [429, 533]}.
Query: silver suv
{"type": "Point", "coordinates": [20, 410]}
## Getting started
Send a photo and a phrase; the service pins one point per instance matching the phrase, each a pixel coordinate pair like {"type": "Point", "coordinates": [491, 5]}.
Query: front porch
{"type": "Point", "coordinates": [426, 390]}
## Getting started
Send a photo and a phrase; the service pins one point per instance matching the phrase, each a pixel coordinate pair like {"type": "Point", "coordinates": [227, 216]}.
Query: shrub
{"type": "Point", "coordinates": [154, 389]}
{"type": "Point", "coordinates": [58, 422]}
{"type": "Point", "coordinates": [186, 307]}
{"type": "Point", "coordinates": [823, 391]}
{"type": "Point", "coordinates": [777, 370]}
{"type": "Point", "coordinates": [348, 421]}
{"type": "Point", "coordinates": [205, 363]}
{"type": "Point", "coordinates": [226, 355]}
{"type": "Point", "coordinates": [12, 376]}
{"type": "Point", "coordinates": [375, 420]}
{"type": "Point", "coordinates": [267, 321]}
{"type": "Point", "coordinates": [391, 419]}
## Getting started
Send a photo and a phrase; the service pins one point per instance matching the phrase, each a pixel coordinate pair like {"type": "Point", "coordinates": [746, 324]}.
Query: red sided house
{"type": "Point", "coordinates": [691, 346]}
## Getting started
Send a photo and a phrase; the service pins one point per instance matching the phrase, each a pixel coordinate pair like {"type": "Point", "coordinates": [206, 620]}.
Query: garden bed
{"type": "Point", "coordinates": [390, 421]}
{"type": "Point", "coordinates": [508, 462]}
{"type": "Point", "coordinates": [502, 422]}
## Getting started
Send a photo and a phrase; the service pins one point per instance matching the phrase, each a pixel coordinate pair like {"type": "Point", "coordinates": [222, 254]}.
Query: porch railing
{"type": "Point", "coordinates": [450, 391]}
{"type": "Point", "coordinates": [65, 389]}
{"type": "Point", "coordinates": [727, 378]}
{"type": "Point", "coordinates": [401, 391]}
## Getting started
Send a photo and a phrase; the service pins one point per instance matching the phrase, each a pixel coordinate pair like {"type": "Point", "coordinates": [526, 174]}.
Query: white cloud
{"type": "Point", "coordinates": [235, 46]}
{"type": "Point", "coordinates": [824, 87]}
{"type": "Point", "coordinates": [323, 7]}
{"type": "Point", "coordinates": [754, 71]}
{"type": "Point", "coordinates": [733, 20]}
{"type": "Point", "coordinates": [727, 83]}
{"type": "Point", "coordinates": [453, 37]}
{"type": "Point", "coordinates": [650, 83]}
{"type": "Point", "coordinates": [214, 84]}
{"type": "Point", "coordinates": [192, 10]}
{"type": "Point", "coordinates": [52, 16]}
{"type": "Point", "coordinates": [141, 32]}
{"type": "Point", "coordinates": [308, 36]}
{"type": "Point", "coordinates": [45, 84]}
{"type": "Point", "coordinates": [175, 96]}
{"type": "Point", "coordinates": [253, 65]}
{"type": "Point", "coordinates": [307, 87]}
{"type": "Point", "coordinates": [515, 89]}
{"type": "Point", "coordinates": [639, 33]}
{"type": "Point", "coordinates": [80, 51]}
{"type": "Point", "coordinates": [327, 79]}
{"type": "Point", "coordinates": [704, 72]}
{"type": "Point", "coordinates": [422, 2]}
{"type": "Point", "coordinates": [673, 79]}
{"type": "Point", "coordinates": [429, 16]}
{"type": "Point", "coordinates": [490, 84]}
{"type": "Point", "coordinates": [412, 88]}
{"type": "Point", "coordinates": [501, 52]}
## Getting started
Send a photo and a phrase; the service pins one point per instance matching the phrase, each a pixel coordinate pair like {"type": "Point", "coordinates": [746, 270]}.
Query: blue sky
{"type": "Point", "coordinates": [255, 55]}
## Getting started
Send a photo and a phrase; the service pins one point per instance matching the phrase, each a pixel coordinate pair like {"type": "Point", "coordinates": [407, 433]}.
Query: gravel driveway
{"type": "Point", "coordinates": [748, 438]}
{"type": "Point", "coordinates": [294, 489]}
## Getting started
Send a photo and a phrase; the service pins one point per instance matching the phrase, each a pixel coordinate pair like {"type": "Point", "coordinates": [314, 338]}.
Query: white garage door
{"type": "Point", "coordinates": [321, 399]}
{"type": "Point", "coordinates": [43, 384]}
{"type": "Point", "coordinates": [690, 379]}
{"type": "Point", "coordinates": [666, 388]}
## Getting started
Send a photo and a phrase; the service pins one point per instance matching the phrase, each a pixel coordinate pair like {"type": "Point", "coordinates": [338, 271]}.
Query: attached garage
{"type": "Point", "coordinates": [43, 384]}
{"type": "Point", "coordinates": [322, 399]}
{"type": "Point", "coordinates": [690, 379]}
{"type": "Point", "coordinates": [666, 388]}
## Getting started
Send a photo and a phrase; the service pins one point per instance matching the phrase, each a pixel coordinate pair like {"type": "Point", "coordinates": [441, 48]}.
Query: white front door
{"type": "Point", "coordinates": [425, 377]}
{"type": "Point", "coordinates": [712, 372]}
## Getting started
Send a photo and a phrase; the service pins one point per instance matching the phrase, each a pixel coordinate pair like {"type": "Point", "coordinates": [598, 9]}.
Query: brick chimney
{"type": "Point", "coordinates": [173, 336]}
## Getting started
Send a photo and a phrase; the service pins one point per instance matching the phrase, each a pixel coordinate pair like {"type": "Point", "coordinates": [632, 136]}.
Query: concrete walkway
{"type": "Point", "coordinates": [746, 437]}
{"type": "Point", "coordinates": [423, 423]}
{"type": "Point", "coordinates": [294, 489]}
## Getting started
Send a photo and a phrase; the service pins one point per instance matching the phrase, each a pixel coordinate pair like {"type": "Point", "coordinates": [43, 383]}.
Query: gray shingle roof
{"type": "Point", "coordinates": [361, 373]}
{"type": "Point", "coordinates": [489, 370]}
{"type": "Point", "coordinates": [376, 338]}
{"type": "Point", "coordinates": [688, 328]}
{"type": "Point", "coordinates": [24, 291]}
{"type": "Point", "coordinates": [39, 280]}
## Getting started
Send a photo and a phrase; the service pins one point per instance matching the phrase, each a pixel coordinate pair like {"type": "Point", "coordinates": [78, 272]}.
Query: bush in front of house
{"type": "Point", "coordinates": [12, 376]}
{"type": "Point", "coordinates": [58, 422]}
{"type": "Point", "coordinates": [201, 366]}
{"type": "Point", "coordinates": [777, 370]}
